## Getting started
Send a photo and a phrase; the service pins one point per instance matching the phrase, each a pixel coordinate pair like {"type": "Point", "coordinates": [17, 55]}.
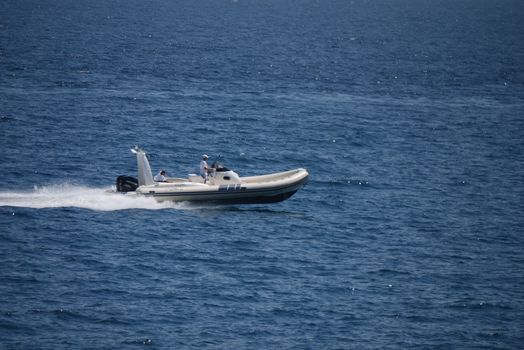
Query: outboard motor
{"type": "Point", "coordinates": [126, 184]}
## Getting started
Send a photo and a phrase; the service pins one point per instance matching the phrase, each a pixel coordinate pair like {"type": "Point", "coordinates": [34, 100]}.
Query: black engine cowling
{"type": "Point", "coordinates": [126, 184]}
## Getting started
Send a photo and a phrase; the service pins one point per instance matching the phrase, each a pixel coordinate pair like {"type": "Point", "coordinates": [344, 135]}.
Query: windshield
{"type": "Point", "coordinates": [219, 167]}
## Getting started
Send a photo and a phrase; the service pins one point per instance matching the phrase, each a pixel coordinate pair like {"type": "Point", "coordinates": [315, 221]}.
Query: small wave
{"type": "Point", "coordinates": [145, 341]}
{"type": "Point", "coordinates": [74, 196]}
{"type": "Point", "coordinates": [342, 182]}
{"type": "Point", "coordinates": [479, 304]}
{"type": "Point", "coordinates": [6, 119]}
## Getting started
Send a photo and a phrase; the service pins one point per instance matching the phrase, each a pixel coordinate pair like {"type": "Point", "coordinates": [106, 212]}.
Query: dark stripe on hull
{"type": "Point", "coordinates": [247, 200]}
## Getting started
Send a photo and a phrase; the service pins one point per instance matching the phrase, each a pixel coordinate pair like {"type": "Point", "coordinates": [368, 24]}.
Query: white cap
{"type": "Point", "coordinates": [205, 156]}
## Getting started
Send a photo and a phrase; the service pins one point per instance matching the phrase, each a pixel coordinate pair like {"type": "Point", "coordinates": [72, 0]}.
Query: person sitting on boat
{"type": "Point", "coordinates": [160, 177]}
{"type": "Point", "coordinates": [204, 168]}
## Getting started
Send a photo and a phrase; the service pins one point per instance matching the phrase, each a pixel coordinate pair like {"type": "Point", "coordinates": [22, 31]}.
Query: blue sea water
{"type": "Point", "coordinates": [408, 114]}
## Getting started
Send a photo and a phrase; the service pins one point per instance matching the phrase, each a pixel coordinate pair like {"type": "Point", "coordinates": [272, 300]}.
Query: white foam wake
{"type": "Point", "coordinates": [67, 195]}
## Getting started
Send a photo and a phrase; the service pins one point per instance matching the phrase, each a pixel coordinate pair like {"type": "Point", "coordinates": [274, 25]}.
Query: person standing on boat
{"type": "Point", "coordinates": [204, 168]}
{"type": "Point", "coordinates": [160, 177]}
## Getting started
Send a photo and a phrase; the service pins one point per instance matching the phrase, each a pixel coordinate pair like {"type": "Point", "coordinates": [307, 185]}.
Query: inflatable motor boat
{"type": "Point", "coordinates": [223, 185]}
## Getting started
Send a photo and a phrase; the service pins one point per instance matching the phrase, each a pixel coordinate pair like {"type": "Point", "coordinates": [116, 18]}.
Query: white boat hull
{"type": "Point", "coordinates": [258, 189]}
{"type": "Point", "coordinates": [223, 185]}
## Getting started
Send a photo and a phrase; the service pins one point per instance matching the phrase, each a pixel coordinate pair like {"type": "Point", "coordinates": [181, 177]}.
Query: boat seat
{"type": "Point", "coordinates": [195, 178]}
